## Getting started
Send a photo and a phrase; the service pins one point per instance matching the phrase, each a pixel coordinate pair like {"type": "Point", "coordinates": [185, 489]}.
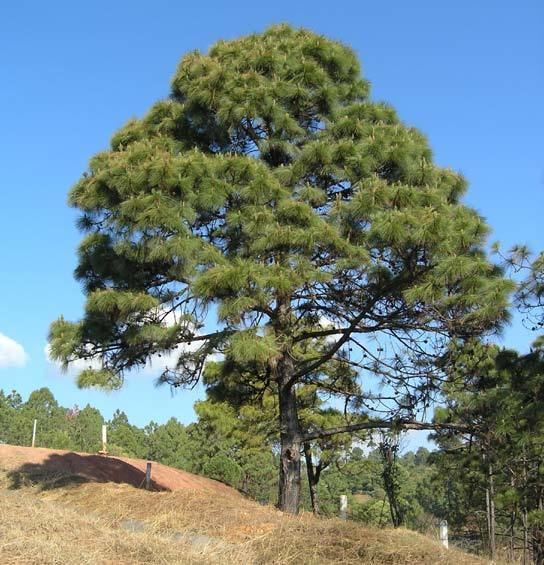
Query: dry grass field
{"type": "Point", "coordinates": [53, 517]}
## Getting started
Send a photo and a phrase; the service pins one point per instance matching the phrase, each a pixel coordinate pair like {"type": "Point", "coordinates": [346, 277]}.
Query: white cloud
{"type": "Point", "coordinates": [157, 363]}
{"type": "Point", "coordinates": [12, 354]}
{"type": "Point", "coordinates": [327, 324]}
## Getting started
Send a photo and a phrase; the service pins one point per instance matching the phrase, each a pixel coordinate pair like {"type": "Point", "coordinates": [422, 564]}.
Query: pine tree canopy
{"type": "Point", "coordinates": [271, 196]}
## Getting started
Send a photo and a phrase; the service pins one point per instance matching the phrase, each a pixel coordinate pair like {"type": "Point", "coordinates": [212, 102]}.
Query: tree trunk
{"type": "Point", "coordinates": [490, 504]}
{"type": "Point", "coordinates": [524, 521]}
{"type": "Point", "coordinates": [290, 436]}
{"type": "Point", "coordinates": [524, 514]}
{"type": "Point", "coordinates": [312, 478]}
{"type": "Point", "coordinates": [512, 520]}
{"type": "Point", "coordinates": [282, 369]}
{"type": "Point", "coordinates": [538, 538]}
{"type": "Point", "coordinates": [538, 545]}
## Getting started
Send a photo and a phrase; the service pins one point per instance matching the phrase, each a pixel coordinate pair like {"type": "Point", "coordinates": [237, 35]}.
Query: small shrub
{"type": "Point", "coordinates": [222, 468]}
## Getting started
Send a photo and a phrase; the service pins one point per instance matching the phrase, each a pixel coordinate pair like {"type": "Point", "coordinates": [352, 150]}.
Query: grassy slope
{"type": "Point", "coordinates": [88, 523]}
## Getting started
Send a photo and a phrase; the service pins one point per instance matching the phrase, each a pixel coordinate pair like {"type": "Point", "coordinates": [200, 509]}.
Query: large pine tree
{"type": "Point", "coordinates": [270, 192]}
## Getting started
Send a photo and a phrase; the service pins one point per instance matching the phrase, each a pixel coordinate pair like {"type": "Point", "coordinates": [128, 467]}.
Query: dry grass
{"type": "Point", "coordinates": [86, 523]}
{"type": "Point", "coordinates": [37, 531]}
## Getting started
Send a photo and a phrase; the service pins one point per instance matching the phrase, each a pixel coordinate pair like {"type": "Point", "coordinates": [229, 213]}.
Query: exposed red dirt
{"type": "Point", "coordinates": [101, 468]}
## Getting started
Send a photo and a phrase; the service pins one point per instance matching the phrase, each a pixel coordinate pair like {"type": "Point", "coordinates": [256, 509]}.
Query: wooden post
{"type": "Point", "coordinates": [104, 450]}
{"type": "Point", "coordinates": [444, 533]}
{"type": "Point", "coordinates": [343, 507]}
{"type": "Point", "coordinates": [148, 475]}
{"type": "Point", "coordinates": [34, 433]}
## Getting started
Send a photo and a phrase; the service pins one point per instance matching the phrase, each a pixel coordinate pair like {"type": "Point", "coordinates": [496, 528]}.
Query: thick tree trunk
{"type": "Point", "coordinates": [282, 369]}
{"type": "Point", "coordinates": [312, 478]}
{"type": "Point", "coordinates": [289, 485]}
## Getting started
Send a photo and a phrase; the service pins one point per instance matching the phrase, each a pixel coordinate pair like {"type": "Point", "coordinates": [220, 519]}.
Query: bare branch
{"type": "Point", "coordinates": [385, 425]}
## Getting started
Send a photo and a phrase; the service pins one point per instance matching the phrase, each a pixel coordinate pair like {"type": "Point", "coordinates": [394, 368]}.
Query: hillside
{"type": "Point", "coordinates": [28, 462]}
{"type": "Point", "coordinates": [55, 514]}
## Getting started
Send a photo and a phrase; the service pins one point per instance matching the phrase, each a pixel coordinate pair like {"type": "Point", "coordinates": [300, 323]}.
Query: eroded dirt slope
{"type": "Point", "coordinates": [99, 468]}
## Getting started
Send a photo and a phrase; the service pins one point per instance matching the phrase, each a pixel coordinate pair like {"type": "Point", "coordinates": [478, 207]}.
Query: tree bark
{"type": "Point", "coordinates": [524, 520]}
{"type": "Point", "coordinates": [313, 478]}
{"type": "Point", "coordinates": [282, 369]}
{"type": "Point", "coordinates": [512, 518]}
{"type": "Point", "coordinates": [538, 537]}
{"type": "Point", "coordinates": [289, 484]}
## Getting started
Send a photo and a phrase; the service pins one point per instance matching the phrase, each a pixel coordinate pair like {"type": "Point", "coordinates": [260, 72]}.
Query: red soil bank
{"type": "Point", "coordinates": [100, 468]}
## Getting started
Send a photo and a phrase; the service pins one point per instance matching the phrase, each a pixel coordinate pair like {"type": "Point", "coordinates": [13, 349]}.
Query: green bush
{"type": "Point", "coordinates": [224, 469]}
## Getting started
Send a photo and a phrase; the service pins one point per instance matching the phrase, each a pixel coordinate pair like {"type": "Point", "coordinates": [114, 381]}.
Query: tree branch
{"type": "Point", "coordinates": [385, 425]}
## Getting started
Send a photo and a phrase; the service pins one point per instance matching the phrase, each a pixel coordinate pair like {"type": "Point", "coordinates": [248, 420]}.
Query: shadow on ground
{"type": "Point", "coordinates": [60, 470]}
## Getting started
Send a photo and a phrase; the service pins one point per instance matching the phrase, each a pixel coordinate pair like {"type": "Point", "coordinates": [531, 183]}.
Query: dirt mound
{"type": "Point", "coordinates": [36, 461]}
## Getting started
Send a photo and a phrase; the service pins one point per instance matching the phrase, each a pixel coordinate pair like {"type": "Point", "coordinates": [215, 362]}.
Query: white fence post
{"type": "Point", "coordinates": [34, 433]}
{"type": "Point", "coordinates": [444, 533]}
{"type": "Point", "coordinates": [104, 439]}
{"type": "Point", "coordinates": [343, 507]}
{"type": "Point", "coordinates": [148, 475]}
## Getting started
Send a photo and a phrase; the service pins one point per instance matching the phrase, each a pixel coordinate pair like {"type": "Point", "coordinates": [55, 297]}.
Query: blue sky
{"type": "Point", "coordinates": [470, 75]}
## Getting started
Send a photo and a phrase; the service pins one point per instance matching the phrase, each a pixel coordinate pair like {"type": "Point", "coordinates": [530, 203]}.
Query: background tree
{"type": "Point", "coordinates": [85, 429]}
{"type": "Point", "coordinates": [168, 443]}
{"type": "Point", "coordinates": [13, 429]}
{"type": "Point", "coordinates": [388, 448]}
{"type": "Point", "coordinates": [124, 438]}
{"type": "Point", "coordinates": [234, 446]}
{"type": "Point", "coordinates": [53, 423]}
{"type": "Point", "coordinates": [499, 458]}
{"type": "Point", "coordinates": [529, 268]}
{"type": "Point", "coordinates": [269, 191]}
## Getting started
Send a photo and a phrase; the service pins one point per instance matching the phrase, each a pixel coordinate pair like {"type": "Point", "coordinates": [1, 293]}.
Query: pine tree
{"type": "Point", "coordinates": [500, 400]}
{"type": "Point", "coordinates": [530, 289]}
{"type": "Point", "coordinates": [125, 439]}
{"type": "Point", "coordinates": [269, 191]}
{"type": "Point", "coordinates": [85, 428]}
{"type": "Point", "coordinates": [168, 443]}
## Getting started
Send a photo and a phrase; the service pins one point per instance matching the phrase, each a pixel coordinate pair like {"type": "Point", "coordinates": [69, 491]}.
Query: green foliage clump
{"type": "Point", "coordinates": [224, 469]}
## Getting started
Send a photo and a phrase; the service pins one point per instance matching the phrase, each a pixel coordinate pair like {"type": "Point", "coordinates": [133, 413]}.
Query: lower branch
{"type": "Point", "coordinates": [386, 425]}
